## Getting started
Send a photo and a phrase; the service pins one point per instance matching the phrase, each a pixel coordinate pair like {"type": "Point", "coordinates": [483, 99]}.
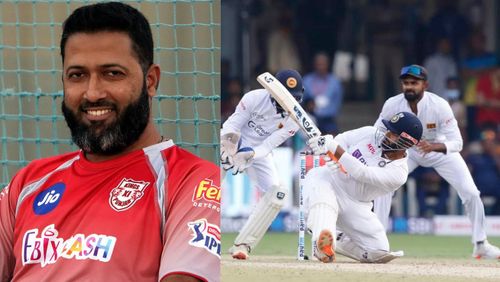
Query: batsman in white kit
{"type": "Point", "coordinates": [439, 148]}
{"type": "Point", "coordinates": [339, 204]}
{"type": "Point", "coordinates": [258, 125]}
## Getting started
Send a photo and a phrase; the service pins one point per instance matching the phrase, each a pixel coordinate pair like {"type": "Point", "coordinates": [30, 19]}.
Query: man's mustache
{"type": "Point", "coordinates": [100, 103]}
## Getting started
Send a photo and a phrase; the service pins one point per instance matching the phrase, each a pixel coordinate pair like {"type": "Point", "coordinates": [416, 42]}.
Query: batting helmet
{"type": "Point", "coordinates": [407, 126]}
{"type": "Point", "coordinates": [292, 80]}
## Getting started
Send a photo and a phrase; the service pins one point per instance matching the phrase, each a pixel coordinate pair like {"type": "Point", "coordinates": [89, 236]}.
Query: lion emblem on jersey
{"type": "Point", "coordinates": [126, 194]}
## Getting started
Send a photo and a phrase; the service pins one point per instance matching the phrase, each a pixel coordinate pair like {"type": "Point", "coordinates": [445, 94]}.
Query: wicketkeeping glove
{"type": "Point", "coordinates": [228, 147]}
{"type": "Point", "coordinates": [226, 164]}
{"type": "Point", "coordinates": [242, 159]}
{"type": "Point", "coordinates": [322, 144]}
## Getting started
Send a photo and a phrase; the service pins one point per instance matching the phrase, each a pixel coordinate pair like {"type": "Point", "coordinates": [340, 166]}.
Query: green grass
{"type": "Point", "coordinates": [427, 258]}
{"type": "Point", "coordinates": [418, 246]}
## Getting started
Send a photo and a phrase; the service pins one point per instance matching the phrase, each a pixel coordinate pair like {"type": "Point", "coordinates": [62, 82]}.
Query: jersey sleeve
{"type": "Point", "coordinates": [7, 220]}
{"type": "Point", "coordinates": [240, 116]}
{"type": "Point", "coordinates": [192, 239]}
{"type": "Point", "coordinates": [389, 177]}
{"type": "Point", "coordinates": [449, 128]}
{"type": "Point", "coordinates": [276, 138]}
{"type": "Point", "coordinates": [345, 139]}
{"type": "Point", "coordinates": [342, 139]}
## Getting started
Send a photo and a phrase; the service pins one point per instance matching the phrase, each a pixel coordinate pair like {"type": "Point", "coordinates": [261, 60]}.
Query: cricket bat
{"type": "Point", "coordinates": [290, 105]}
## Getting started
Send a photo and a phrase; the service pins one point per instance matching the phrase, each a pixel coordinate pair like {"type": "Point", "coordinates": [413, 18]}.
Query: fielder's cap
{"type": "Point", "coordinates": [292, 80]}
{"type": "Point", "coordinates": [415, 71]}
{"type": "Point", "coordinates": [406, 125]}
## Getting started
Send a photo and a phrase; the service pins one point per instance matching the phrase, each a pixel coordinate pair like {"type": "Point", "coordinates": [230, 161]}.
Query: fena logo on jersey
{"type": "Point", "coordinates": [46, 247]}
{"type": "Point", "coordinates": [207, 194]}
{"type": "Point", "coordinates": [126, 194]}
{"type": "Point", "coordinates": [206, 236]}
{"type": "Point", "coordinates": [208, 191]}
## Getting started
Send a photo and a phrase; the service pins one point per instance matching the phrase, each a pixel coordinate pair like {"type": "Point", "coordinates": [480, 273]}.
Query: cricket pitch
{"type": "Point", "coordinates": [283, 268]}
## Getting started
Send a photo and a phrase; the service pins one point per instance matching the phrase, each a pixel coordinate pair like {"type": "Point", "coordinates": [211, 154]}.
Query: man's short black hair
{"type": "Point", "coordinates": [112, 16]}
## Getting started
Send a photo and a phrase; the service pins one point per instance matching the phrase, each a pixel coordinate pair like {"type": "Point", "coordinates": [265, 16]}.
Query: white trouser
{"type": "Point", "coordinates": [453, 169]}
{"type": "Point", "coordinates": [263, 173]}
{"type": "Point", "coordinates": [355, 218]}
{"type": "Point", "coordinates": [320, 202]}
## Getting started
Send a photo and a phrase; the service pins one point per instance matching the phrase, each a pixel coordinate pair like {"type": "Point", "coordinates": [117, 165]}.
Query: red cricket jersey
{"type": "Point", "coordinates": [139, 217]}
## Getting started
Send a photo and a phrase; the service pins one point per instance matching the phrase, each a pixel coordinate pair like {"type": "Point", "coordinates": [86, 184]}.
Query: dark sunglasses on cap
{"type": "Point", "coordinates": [412, 70]}
{"type": "Point", "coordinates": [415, 71]}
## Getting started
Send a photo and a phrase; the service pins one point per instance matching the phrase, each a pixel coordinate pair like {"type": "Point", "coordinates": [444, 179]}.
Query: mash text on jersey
{"type": "Point", "coordinates": [46, 247]}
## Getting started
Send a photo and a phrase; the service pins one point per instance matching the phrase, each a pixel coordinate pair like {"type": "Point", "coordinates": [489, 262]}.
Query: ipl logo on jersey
{"type": "Point", "coordinates": [125, 195]}
{"type": "Point", "coordinates": [206, 236]}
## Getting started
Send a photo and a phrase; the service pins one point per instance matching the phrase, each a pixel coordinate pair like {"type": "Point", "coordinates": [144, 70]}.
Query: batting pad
{"type": "Point", "coordinates": [322, 216]}
{"type": "Point", "coordinates": [321, 204]}
{"type": "Point", "coordinates": [262, 216]}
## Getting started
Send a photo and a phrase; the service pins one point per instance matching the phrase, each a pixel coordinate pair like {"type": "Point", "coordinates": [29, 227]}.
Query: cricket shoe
{"type": "Point", "coordinates": [486, 250]}
{"type": "Point", "coordinates": [240, 251]}
{"type": "Point", "coordinates": [324, 250]}
{"type": "Point", "coordinates": [385, 257]}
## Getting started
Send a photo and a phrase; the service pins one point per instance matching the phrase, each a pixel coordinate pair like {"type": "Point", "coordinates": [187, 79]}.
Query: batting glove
{"type": "Point", "coordinates": [331, 164]}
{"type": "Point", "coordinates": [228, 147]}
{"type": "Point", "coordinates": [322, 144]}
{"type": "Point", "coordinates": [242, 160]}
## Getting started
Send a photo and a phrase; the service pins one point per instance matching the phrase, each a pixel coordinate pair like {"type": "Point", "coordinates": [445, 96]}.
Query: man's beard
{"type": "Point", "coordinates": [113, 138]}
{"type": "Point", "coordinates": [412, 96]}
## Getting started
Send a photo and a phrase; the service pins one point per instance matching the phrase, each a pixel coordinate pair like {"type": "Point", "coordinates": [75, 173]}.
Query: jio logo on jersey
{"type": "Point", "coordinates": [48, 199]}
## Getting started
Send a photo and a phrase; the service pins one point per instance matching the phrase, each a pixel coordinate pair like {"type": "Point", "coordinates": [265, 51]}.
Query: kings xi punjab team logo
{"type": "Point", "coordinates": [125, 195]}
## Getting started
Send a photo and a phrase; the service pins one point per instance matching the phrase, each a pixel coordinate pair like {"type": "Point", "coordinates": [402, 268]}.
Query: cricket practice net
{"type": "Point", "coordinates": [186, 109]}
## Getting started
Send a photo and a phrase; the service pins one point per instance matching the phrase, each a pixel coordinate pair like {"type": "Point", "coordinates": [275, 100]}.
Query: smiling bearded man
{"type": "Point", "coordinates": [108, 139]}
{"type": "Point", "coordinates": [130, 205]}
